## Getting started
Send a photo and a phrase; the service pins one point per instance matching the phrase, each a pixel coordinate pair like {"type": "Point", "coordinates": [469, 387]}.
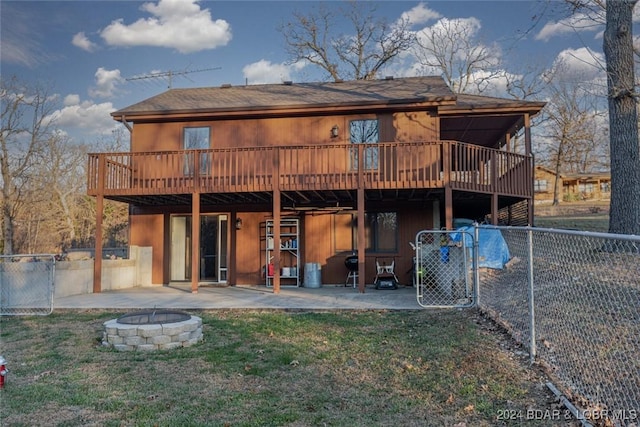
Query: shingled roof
{"type": "Point", "coordinates": [429, 90]}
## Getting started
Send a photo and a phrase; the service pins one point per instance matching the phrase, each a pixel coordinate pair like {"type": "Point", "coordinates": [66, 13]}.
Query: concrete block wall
{"type": "Point", "coordinates": [76, 277]}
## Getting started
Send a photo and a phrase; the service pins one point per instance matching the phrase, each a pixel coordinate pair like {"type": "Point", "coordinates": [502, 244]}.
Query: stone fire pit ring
{"type": "Point", "coordinates": [150, 330]}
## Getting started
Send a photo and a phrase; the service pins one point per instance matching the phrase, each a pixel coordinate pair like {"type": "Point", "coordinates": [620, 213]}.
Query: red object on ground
{"type": "Point", "coordinates": [3, 371]}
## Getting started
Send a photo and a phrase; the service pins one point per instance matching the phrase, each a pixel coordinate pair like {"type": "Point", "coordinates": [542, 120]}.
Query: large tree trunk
{"type": "Point", "coordinates": [623, 119]}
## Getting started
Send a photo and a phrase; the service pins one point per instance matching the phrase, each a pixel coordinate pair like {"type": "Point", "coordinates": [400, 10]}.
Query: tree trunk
{"type": "Point", "coordinates": [623, 120]}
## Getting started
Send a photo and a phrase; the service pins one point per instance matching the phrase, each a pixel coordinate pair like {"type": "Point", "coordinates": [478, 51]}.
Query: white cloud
{"type": "Point", "coordinates": [264, 72]}
{"type": "Point", "coordinates": [419, 14]}
{"type": "Point", "coordinates": [86, 117]}
{"type": "Point", "coordinates": [107, 82]}
{"type": "Point", "coordinates": [583, 64]}
{"type": "Point", "coordinates": [71, 99]}
{"type": "Point", "coordinates": [579, 22]}
{"type": "Point", "coordinates": [80, 40]}
{"type": "Point", "coordinates": [178, 24]}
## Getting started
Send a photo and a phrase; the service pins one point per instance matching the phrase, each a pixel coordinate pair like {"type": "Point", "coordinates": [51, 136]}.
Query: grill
{"type": "Point", "coordinates": [351, 262]}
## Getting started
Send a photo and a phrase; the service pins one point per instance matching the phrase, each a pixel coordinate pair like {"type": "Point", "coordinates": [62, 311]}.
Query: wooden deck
{"type": "Point", "coordinates": [381, 166]}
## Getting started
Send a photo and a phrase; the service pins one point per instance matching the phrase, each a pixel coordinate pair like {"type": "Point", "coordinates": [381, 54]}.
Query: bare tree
{"type": "Point", "coordinates": [623, 118]}
{"type": "Point", "coordinates": [63, 169]}
{"type": "Point", "coordinates": [25, 128]}
{"type": "Point", "coordinates": [358, 56]}
{"type": "Point", "coordinates": [452, 47]}
{"type": "Point", "coordinates": [572, 130]}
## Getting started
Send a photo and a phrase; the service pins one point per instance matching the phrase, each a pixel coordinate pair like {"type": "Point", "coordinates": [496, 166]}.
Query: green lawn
{"type": "Point", "coordinates": [361, 368]}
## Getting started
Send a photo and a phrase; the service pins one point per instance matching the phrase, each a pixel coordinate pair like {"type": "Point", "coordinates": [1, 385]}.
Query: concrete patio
{"type": "Point", "coordinates": [326, 297]}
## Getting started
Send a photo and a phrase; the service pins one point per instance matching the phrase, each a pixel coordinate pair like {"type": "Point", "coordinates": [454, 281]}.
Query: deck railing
{"type": "Point", "coordinates": [312, 167]}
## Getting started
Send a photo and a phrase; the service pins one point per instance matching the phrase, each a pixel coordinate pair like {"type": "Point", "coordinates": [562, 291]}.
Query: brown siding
{"type": "Point", "coordinates": [400, 127]}
{"type": "Point", "coordinates": [249, 258]}
{"type": "Point", "coordinates": [146, 230]}
{"type": "Point", "coordinates": [322, 231]}
{"type": "Point", "coordinates": [415, 126]}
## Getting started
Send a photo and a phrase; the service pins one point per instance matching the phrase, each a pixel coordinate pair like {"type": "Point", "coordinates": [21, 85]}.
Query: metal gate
{"type": "Point", "coordinates": [26, 284]}
{"type": "Point", "coordinates": [443, 268]}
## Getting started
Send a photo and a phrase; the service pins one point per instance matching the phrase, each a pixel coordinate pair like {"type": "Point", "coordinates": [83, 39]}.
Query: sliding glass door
{"type": "Point", "coordinates": [213, 248]}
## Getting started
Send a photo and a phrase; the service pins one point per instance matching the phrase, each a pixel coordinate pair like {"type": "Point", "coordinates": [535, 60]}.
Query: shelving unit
{"type": "Point", "coordinates": [289, 251]}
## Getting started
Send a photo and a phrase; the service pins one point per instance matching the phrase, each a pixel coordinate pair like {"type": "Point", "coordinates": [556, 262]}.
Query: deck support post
{"type": "Point", "coordinates": [361, 226]}
{"type": "Point", "coordinates": [528, 152]}
{"type": "Point", "coordinates": [448, 207]}
{"type": "Point", "coordinates": [97, 259]}
{"type": "Point", "coordinates": [195, 241]}
{"type": "Point", "coordinates": [361, 242]}
{"type": "Point", "coordinates": [494, 209]}
{"type": "Point", "coordinates": [276, 240]}
{"type": "Point", "coordinates": [277, 196]}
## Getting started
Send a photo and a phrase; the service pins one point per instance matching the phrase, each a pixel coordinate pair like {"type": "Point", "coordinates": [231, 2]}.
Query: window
{"type": "Point", "coordinates": [381, 232]}
{"type": "Point", "coordinates": [540, 185]}
{"type": "Point", "coordinates": [196, 138]}
{"type": "Point", "coordinates": [364, 131]}
{"type": "Point", "coordinates": [586, 188]}
{"type": "Point", "coordinates": [605, 187]}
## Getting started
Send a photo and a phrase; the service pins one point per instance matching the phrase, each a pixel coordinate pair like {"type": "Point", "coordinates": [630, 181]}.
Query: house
{"type": "Point", "coordinates": [571, 187]}
{"type": "Point", "coordinates": [216, 177]}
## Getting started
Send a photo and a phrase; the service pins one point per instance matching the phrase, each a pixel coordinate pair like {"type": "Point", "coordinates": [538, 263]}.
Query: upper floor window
{"type": "Point", "coordinates": [364, 131]}
{"type": "Point", "coordinates": [196, 138]}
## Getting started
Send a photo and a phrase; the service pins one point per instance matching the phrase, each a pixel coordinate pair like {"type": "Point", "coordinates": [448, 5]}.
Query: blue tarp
{"type": "Point", "coordinates": [493, 251]}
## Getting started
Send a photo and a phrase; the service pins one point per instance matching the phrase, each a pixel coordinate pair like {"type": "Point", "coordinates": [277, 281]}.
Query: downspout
{"type": "Point", "coordinates": [123, 120]}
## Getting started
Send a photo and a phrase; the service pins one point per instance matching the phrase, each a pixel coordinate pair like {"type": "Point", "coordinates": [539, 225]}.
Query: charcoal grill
{"type": "Point", "coordinates": [351, 262]}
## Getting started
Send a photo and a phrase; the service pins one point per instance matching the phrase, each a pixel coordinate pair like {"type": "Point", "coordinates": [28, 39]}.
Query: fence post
{"type": "Point", "coordinates": [476, 260]}
{"type": "Point", "coordinates": [532, 318]}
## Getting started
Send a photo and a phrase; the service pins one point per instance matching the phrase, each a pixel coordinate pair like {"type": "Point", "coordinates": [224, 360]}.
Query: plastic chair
{"type": "Point", "coordinates": [385, 273]}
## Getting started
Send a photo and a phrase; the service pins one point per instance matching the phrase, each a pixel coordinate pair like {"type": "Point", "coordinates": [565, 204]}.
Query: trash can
{"type": "Point", "coordinates": [312, 275]}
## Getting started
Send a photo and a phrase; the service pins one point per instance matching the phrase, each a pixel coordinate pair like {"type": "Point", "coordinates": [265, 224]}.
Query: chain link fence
{"type": "Point", "coordinates": [573, 299]}
{"type": "Point", "coordinates": [443, 268]}
{"type": "Point", "coordinates": [26, 284]}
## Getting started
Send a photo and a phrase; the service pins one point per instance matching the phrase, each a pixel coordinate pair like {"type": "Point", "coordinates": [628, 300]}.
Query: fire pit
{"type": "Point", "coordinates": [152, 330]}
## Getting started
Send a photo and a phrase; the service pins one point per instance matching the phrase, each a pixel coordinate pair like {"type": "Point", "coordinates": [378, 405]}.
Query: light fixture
{"type": "Point", "coordinates": [238, 223]}
{"type": "Point", "coordinates": [334, 131]}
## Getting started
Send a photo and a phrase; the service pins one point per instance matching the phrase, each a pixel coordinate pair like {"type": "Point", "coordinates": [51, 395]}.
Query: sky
{"type": "Point", "coordinates": [100, 56]}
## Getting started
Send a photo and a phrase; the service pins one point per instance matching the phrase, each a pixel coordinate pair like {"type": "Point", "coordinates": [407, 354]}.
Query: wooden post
{"type": "Point", "coordinates": [448, 192]}
{"type": "Point", "coordinates": [528, 152]}
{"type": "Point", "coordinates": [195, 224]}
{"type": "Point", "coordinates": [97, 259]}
{"type": "Point", "coordinates": [361, 242]}
{"type": "Point", "coordinates": [276, 223]}
{"type": "Point", "coordinates": [361, 222]}
{"type": "Point", "coordinates": [195, 241]}
{"type": "Point", "coordinates": [494, 186]}
{"type": "Point", "coordinates": [276, 240]}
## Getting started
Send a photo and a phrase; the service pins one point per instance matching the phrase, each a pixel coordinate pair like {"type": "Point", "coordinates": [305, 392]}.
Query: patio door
{"type": "Point", "coordinates": [213, 248]}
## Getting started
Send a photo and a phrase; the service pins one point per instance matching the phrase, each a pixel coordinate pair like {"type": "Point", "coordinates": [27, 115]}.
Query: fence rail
{"type": "Point", "coordinates": [573, 299]}
{"type": "Point", "coordinates": [26, 284]}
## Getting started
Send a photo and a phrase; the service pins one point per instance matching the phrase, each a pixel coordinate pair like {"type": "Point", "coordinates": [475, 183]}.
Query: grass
{"type": "Point", "coordinates": [595, 222]}
{"type": "Point", "coordinates": [581, 216]}
{"type": "Point", "coordinates": [397, 368]}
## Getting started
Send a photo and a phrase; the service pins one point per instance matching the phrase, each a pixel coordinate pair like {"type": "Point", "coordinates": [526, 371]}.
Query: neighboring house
{"type": "Point", "coordinates": [571, 187]}
{"type": "Point", "coordinates": [361, 165]}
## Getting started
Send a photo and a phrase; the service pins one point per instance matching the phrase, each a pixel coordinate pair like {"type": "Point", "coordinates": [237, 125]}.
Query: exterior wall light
{"type": "Point", "coordinates": [238, 223]}
{"type": "Point", "coordinates": [334, 131]}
